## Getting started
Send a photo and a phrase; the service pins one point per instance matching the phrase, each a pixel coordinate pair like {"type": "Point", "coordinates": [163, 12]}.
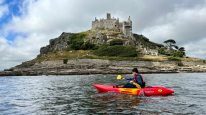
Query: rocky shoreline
{"type": "Point", "coordinates": [99, 66]}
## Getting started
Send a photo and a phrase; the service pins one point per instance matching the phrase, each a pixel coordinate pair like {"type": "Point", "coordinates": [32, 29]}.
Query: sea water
{"type": "Point", "coordinates": [75, 94]}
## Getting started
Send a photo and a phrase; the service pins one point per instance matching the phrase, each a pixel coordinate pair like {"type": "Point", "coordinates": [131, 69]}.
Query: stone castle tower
{"type": "Point", "coordinates": [109, 23]}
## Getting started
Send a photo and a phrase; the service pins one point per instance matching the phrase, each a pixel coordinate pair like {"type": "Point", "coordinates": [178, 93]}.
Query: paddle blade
{"type": "Point", "coordinates": [119, 77]}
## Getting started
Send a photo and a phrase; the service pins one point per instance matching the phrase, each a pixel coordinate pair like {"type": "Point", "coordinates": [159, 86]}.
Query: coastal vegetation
{"type": "Point", "coordinates": [89, 54]}
{"type": "Point", "coordinates": [115, 49]}
{"type": "Point", "coordinates": [171, 49]}
{"type": "Point", "coordinates": [77, 42]}
{"type": "Point", "coordinates": [116, 42]}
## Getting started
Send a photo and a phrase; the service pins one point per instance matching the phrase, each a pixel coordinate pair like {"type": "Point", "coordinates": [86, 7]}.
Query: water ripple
{"type": "Point", "coordinates": [75, 95]}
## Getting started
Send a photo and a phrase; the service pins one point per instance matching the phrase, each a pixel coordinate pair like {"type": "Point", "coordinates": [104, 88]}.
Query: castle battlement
{"type": "Point", "coordinates": [112, 23]}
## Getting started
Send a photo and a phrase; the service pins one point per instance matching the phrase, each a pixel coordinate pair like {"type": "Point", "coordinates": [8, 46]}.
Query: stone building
{"type": "Point", "coordinates": [149, 52]}
{"type": "Point", "coordinates": [112, 23]}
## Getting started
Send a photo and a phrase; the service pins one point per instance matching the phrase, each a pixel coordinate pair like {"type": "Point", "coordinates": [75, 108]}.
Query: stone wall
{"type": "Point", "coordinates": [116, 62]}
{"type": "Point", "coordinates": [193, 63]}
{"type": "Point", "coordinates": [52, 62]}
{"type": "Point", "coordinates": [99, 66]}
{"type": "Point", "coordinates": [149, 52]}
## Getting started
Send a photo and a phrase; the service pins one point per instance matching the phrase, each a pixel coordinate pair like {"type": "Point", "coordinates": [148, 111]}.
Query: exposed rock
{"type": "Point", "coordinates": [25, 65]}
{"type": "Point", "coordinates": [101, 39]}
{"type": "Point", "coordinates": [98, 32]}
{"type": "Point", "coordinates": [44, 50]}
{"type": "Point", "coordinates": [8, 69]}
{"type": "Point", "coordinates": [108, 41]}
{"type": "Point", "coordinates": [127, 43]}
{"type": "Point", "coordinates": [141, 39]}
{"type": "Point", "coordinates": [59, 43]}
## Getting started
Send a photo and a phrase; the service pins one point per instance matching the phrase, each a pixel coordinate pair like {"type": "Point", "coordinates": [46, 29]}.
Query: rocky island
{"type": "Point", "coordinates": [109, 47]}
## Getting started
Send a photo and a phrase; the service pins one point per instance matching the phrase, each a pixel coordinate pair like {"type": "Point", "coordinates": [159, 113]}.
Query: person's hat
{"type": "Point", "coordinates": [135, 70]}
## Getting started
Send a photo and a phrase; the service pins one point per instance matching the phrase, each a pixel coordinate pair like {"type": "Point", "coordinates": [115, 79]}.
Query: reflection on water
{"type": "Point", "coordinates": [76, 95]}
{"type": "Point", "coordinates": [128, 104]}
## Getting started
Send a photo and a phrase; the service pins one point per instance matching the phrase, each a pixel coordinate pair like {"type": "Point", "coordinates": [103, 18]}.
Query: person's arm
{"type": "Point", "coordinates": [129, 78]}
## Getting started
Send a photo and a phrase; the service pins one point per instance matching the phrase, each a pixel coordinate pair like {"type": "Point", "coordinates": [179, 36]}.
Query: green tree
{"type": "Point", "coordinates": [176, 47]}
{"type": "Point", "coordinates": [171, 43]}
{"type": "Point", "coordinates": [160, 45]}
{"type": "Point", "coordinates": [182, 50]}
{"type": "Point", "coordinates": [161, 51]}
{"type": "Point", "coordinates": [176, 54]}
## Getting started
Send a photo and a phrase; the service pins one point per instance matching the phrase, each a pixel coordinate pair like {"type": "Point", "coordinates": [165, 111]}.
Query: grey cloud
{"type": "Point", "coordinates": [159, 20]}
{"type": "Point", "coordinates": [184, 26]}
{"type": "Point", "coordinates": [197, 48]}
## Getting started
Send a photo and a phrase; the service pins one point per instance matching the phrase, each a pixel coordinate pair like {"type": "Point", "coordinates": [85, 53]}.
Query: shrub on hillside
{"type": "Point", "coordinates": [95, 47]}
{"type": "Point", "coordinates": [145, 39]}
{"type": "Point", "coordinates": [180, 64]}
{"type": "Point", "coordinates": [129, 51]}
{"type": "Point", "coordinates": [80, 45]}
{"type": "Point", "coordinates": [176, 54]}
{"type": "Point", "coordinates": [77, 45]}
{"type": "Point", "coordinates": [117, 50]}
{"type": "Point", "coordinates": [116, 42]}
{"type": "Point", "coordinates": [105, 51]}
{"type": "Point", "coordinates": [65, 61]}
{"type": "Point", "coordinates": [88, 45]}
{"type": "Point", "coordinates": [76, 37]}
{"type": "Point", "coordinates": [53, 42]}
{"type": "Point", "coordinates": [161, 51]}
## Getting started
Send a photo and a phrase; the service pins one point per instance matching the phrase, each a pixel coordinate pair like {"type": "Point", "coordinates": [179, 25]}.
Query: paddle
{"type": "Point", "coordinates": [137, 85]}
{"type": "Point", "coordinates": [119, 77]}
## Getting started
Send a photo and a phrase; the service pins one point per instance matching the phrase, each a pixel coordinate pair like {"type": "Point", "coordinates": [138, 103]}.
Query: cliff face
{"type": "Point", "coordinates": [59, 43]}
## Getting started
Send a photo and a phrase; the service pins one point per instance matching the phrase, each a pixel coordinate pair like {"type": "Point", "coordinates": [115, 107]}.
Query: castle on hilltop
{"type": "Point", "coordinates": [113, 23]}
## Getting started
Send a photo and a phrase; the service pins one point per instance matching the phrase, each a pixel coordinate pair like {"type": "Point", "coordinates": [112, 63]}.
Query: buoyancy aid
{"type": "Point", "coordinates": [140, 76]}
{"type": "Point", "coordinates": [143, 83]}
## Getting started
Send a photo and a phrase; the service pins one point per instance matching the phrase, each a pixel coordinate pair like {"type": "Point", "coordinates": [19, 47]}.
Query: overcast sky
{"type": "Point", "coordinates": [28, 25]}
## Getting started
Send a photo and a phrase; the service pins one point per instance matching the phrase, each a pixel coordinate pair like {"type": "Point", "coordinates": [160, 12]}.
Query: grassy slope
{"type": "Point", "coordinates": [82, 54]}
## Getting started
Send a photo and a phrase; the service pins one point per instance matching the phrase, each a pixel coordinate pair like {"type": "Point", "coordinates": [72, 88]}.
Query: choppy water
{"type": "Point", "coordinates": [74, 94]}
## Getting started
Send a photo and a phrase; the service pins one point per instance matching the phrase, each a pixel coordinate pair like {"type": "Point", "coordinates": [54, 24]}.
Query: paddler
{"type": "Point", "coordinates": [136, 79]}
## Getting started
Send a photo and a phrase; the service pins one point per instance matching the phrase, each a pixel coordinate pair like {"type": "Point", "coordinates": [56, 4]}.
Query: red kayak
{"type": "Point", "coordinates": [147, 91]}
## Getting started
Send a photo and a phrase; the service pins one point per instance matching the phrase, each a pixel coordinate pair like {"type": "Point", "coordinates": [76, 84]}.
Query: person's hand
{"type": "Point", "coordinates": [131, 81]}
{"type": "Point", "coordinates": [123, 78]}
